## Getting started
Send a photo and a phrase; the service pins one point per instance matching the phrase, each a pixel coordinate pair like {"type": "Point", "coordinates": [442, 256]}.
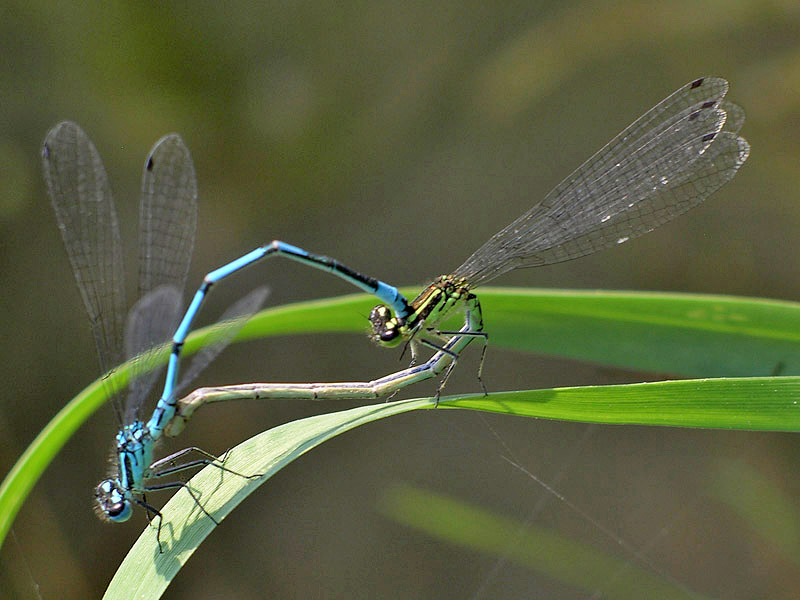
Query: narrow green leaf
{"type": "Point", "coordinates": [747, 403]}
{"type": "Point", "coordinates": [695, 403]}
{"type": "Point", "coordinates": [691, 335]}
{"type": "Point", "coordinates": [684, 334]}
{"type": "Point", "coordinates": [146, 573]}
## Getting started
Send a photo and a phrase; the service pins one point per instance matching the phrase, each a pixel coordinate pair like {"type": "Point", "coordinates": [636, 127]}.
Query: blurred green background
{"type": "Point", "coordinates": [398, 137]}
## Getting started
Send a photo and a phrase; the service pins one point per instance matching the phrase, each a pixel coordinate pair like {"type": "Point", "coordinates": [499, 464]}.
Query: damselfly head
{"type": "Point", "coordinates": [111, 501]}
{"type": "Point", "coordinates": [386, 329]}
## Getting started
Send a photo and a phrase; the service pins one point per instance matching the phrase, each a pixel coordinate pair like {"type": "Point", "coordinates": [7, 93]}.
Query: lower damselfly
{"type": "Point", "coordinates": [87, 217]}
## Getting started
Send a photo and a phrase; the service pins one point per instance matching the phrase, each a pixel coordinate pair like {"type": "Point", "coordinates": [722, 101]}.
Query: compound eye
{"type": "Point", "coordinates": [387, 335]}
{"type": "Point", "coordinates": [111, 502]}
{"type": "Point", "coordinates": [386, 329]}
{"type": "Point", "coordinates": [119, 511]}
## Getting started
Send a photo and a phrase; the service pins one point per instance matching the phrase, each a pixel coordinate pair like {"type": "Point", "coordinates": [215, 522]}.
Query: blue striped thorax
{"type": "Point", "coordinates": [134, 455]}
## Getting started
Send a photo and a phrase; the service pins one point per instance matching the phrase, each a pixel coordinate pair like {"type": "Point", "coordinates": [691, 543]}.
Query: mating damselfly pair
{"type": "Point", "coordinates": [667, 161]}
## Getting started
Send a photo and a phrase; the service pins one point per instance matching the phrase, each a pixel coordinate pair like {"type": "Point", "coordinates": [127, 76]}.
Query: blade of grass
{"type": "Point", "coordinates": [726, 403]}
{"type": "Point", "coordinates": [691, 335]}
{"type": "Point", "coordinates": [146, 573]}
{"type": "Point", "coordinates": [746, 403]}
{"type": "Point", "coordinates": [685, 334]}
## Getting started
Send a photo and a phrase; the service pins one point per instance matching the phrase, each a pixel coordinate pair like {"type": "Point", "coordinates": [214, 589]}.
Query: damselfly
{"type": "Point", "coordinates": [87, 217]}
{"type": "Point", "coordinates": [667, 161]}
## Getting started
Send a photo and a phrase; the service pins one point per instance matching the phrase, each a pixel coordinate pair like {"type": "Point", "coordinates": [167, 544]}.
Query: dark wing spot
{"type": "Point", "coordinates": [150, 164]}
{"type": "Point", "coordinates": [697, 83]}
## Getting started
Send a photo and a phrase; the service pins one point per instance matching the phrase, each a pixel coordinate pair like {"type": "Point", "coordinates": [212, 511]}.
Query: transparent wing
{"type": "Point", "coordinates": [81, 197]}
{"type": "Point", "coordinates": [167, 228]}
{"type": "Point", "coordinates": [168, 215]}
{"type": "Point", "coordinates": [151, 323]}
{"type": "Point", "coordinates": [666, 162]}
{"type": "Point", "coordinates": [230, 324]}
{"type": "Point", "coordinates": [735, 118]}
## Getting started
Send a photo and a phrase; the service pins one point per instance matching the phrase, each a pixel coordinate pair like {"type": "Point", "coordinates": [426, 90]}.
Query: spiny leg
{"type": "Point", "coordinates": [449, 370]}
{"type": "Point", "coordinates": [152, 510]}
{"type": "Point", "coordinates": [485, 337]}
{"type": "Point", "coordinates": [209, 460]}
{"type": "Point", "coordinates": [168, 486]}
{"type": "Point", "coordinates": [473, 324]}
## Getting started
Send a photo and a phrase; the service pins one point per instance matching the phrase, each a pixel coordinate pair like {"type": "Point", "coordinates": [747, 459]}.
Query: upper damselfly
{"type": "Point", "coordinates": [667, 161]}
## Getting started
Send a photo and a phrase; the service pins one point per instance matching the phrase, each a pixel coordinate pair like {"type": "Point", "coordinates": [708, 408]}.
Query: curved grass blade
{"type": "Point", "coordinates": [690, 335]}
{"type": "Point", "coordinates": [145, 573]}
{"type": "Point", "coordinates": [681, 333]}
{"type": "Point", "coordinates": [744, 403]}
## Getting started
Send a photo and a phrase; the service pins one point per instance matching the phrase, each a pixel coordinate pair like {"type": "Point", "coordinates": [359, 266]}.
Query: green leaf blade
{"type": "Point", "coordinates": [146, 573]}
{"type": "Point", "coordinates": [693, 403]}
{"type": "Point", "coordinates": [751, 403]}
{"type": "Point", "coordinates": [691, 335]}
{"type": "Point", "coordinates": [683, 334]}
